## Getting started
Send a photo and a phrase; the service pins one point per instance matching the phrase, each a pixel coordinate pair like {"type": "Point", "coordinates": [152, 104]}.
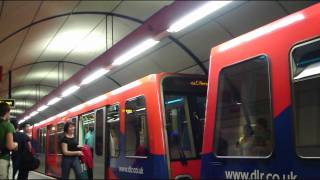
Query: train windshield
{"type": "Point", "coordinates": [306, 98]}
{"type": "Point", "coordinates": [184, 102]}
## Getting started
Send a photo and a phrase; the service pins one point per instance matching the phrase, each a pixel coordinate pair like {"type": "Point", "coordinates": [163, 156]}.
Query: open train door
{"type": "Point", "coordinates": [99, 152]}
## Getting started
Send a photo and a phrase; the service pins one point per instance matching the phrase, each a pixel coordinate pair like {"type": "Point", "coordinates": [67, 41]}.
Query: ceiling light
{"type": "Point", "coordinates": [34, 113]}
{"type": "Point", "coordinates": [53, 101]}
{"type": "Point", "coordinates": [92, 77]}
{"type": "Point", "coordinates": [145, 45]}
{"type": "Point", "coordinates": [69, 91]}
{"type": "Point", "coordinates": [62, 114]}
{"type": "Point", "coordinates": [197, 14]}
{"type": "Point", "coordinates": [97, 99]}
{"type": "Point", "coordinates": [77, 108]}
{"type": "Point", "coordinates": [42, 108]}
{"type": "Point", "coordinates": [126, 87]}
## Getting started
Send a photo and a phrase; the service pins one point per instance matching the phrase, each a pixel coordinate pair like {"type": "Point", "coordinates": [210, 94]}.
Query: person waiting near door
{"type": "Point", "coordinates": [6, 140]}
{"type": "Point", "coordinates": [71, 152]}
{"type": "Point", "coordinates": [17, 156]}
{"type": "Point", "coordinates": [89, 138]}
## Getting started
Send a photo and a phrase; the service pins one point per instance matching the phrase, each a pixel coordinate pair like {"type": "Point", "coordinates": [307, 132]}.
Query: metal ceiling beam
{"type": "Point", "coordinates": [155, 26]}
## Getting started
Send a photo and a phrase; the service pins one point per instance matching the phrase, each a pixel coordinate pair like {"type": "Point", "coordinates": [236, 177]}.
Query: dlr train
{"type": "Point", "coordinates": [263, 103]}
{"type": "Point", "coordinates": [256, 117]}
{"type": "Point", "coordinates": [150, 128]}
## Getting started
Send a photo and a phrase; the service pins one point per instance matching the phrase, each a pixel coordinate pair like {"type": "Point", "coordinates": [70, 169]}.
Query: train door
{"type": "Point", "coordinates": [243, 131]}
{"type": "Point", "coordinates": [112, 139]}
{"type": "Point", "coordinates": [305, 64]}
{"type": "Point", "coordinates": [91, 133]}
{"type": "Point", "coordinates": [52, 167]}
{"type": "Point", "coordinates": [184, 104]}
{"type": "Point", "coordinates": [98, 156]}
{"type": "Point", "coordinates": [42, 133]}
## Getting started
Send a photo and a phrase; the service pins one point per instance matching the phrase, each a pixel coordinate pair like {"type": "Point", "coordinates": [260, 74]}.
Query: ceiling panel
{"type": "Point", "coordinates": [104, 6]}
{"type": "Point", "coordinates": [141, 9]}
{"type": "Point", "coordinates": [36, 73]}
{"type": "Point", "coordinates": [97, 88]}
{"type": "Point", "coordinates": [293, 6]}
{"type": "Point", "coordinates": [9, 49]}
{"type": "Point", "coordinates": [38, 38]}
{"type": "Point", "coordinates": [19, 12]}
{"type": "Point", "coordinates": [195, 69]}
{"type": "Point", "coordinates": [206, 37]}
{"type": "Point", "coordinates": [170, 58]}
{"type": "Point", "coordinates": [74, 30]}
{"type": "Point", "coordinates": [251, 16]}
{"type": "Point", "coordinates": [121, 28]}
{"type": "Point", "coordinates": [52, 8]}
{"type": "Point", "coordinates": [90, 47]}
{"type": "Point", "coordinates": [135, 71]}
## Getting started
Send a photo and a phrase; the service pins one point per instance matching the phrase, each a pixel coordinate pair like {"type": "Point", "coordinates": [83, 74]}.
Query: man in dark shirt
{"type": "Point", "coordinates": [24, 145]}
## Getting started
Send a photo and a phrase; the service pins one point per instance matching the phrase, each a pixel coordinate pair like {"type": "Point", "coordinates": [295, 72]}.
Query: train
{"type": "Point", "coordinates": [149, 128]}
{"type": "Point", "coordinates": [254, 117]}
{"type": "Point", "coordinates": [262, 116]}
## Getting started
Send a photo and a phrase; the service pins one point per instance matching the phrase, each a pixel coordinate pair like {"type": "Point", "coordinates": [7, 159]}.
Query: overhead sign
{"type": "Point", "coordinates": [8, 101]}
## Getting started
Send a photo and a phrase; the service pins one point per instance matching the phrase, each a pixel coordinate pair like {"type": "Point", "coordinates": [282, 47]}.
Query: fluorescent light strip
{"type": "Point", "coordinates": [126, 87]}
{"type": "Point", "coordinates": [77, 108]}
{"type": "Point", "coordinates": [97, 99]}
{"type": "Point", "coordinates": [53, 101]}
{"type": "Point", "coordinates": [44, 107]}
{"type": "Point", "coordinates": [94, 76]}
{"type": "Point", "coordinates": [62, 114]}
{"type": "Point", "coordinates": [70, 90]}
{"type": "Point", "coordinates": [34, 113]}
{"type": "Point", "coordinates": [197, 14]}
{"type": "Point", "coordinates": [145, 45]}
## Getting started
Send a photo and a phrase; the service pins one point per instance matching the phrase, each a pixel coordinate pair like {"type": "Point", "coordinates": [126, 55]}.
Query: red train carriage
{"type": "Point", "coordinates": [150, 128]}
{"type": "Point", "coordinates": [263, 107]}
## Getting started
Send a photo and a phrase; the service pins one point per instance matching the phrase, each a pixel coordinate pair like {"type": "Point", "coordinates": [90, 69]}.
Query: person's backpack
{"type": "Point", "coordinates": [28, 160]}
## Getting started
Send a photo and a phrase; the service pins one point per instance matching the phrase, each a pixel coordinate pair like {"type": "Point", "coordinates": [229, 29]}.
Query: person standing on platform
{"type": "Point", "coordinates": [71, 152]}
{"type": "Point", "coordinates": [17, 156]}
{"type": "Point", "coordinates": [6, 140]}
{"type": "Point", "coordinates": [89, 138]}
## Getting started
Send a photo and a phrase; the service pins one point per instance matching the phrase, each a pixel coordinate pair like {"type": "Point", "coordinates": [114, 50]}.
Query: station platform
{"type": "Point", "coordinates": [36, 175]}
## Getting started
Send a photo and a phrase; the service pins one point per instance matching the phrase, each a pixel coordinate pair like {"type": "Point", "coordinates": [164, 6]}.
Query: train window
{"type": "Point", "coordinates": [52, 143]}
{"type": "Point", "coordinates": [99, 132]}
{"type": "Point", "coordinates": [113, 120]}
{"type": "Point", "coordinates": [184, 102]}
{"type": "Point", "coordinates": [43, 140]}
{"type": "Point", "coordinates": [306, 97]}
{"type": "Point", "coordinates": [136, 127]}
{"type": "Point", "coordinates": [60, 133]}
{"type": "Point", "coordinates": [244, 117]}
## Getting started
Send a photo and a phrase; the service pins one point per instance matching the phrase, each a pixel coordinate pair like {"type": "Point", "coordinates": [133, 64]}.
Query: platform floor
{"type": "Point", "coordinates": [36, 175]}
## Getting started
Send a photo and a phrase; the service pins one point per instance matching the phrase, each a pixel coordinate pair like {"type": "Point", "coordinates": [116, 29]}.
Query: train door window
{"type": "Point", "coordinates": [86, 129]}
{"type": "Point", "coordinates": [99, 132]}
{"type": "Point", "coordinates": [60, 133]}
{"type": "Point", "coordinates": [113, 119]}
{"type": "Point", "coordinates": [184, 102]}
{"type": "Point", "coordinates": [52, 142]}
{"type": "Point", "coordinates": [244, 116]}
{"type": "Point", "coordinates": [305, 65]}
{"type": "Point", "coordinates": [43, 140]}
{"type": "Point", "coordinates": [136, 128]}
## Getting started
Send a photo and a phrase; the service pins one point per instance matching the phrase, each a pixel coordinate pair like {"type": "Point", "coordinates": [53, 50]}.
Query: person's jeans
{"type": "Point", "coordinates": [4, 168]}
{"type": "Point", "coordinates": [69, 162]}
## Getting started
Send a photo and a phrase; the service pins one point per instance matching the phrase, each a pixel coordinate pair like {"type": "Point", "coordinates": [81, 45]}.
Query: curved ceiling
{"type": "Point", "coordinates": [45, 55]}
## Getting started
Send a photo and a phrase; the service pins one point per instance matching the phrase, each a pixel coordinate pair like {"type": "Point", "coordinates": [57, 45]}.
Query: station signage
{"type": "Point", "coordinates": [8, 101]}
